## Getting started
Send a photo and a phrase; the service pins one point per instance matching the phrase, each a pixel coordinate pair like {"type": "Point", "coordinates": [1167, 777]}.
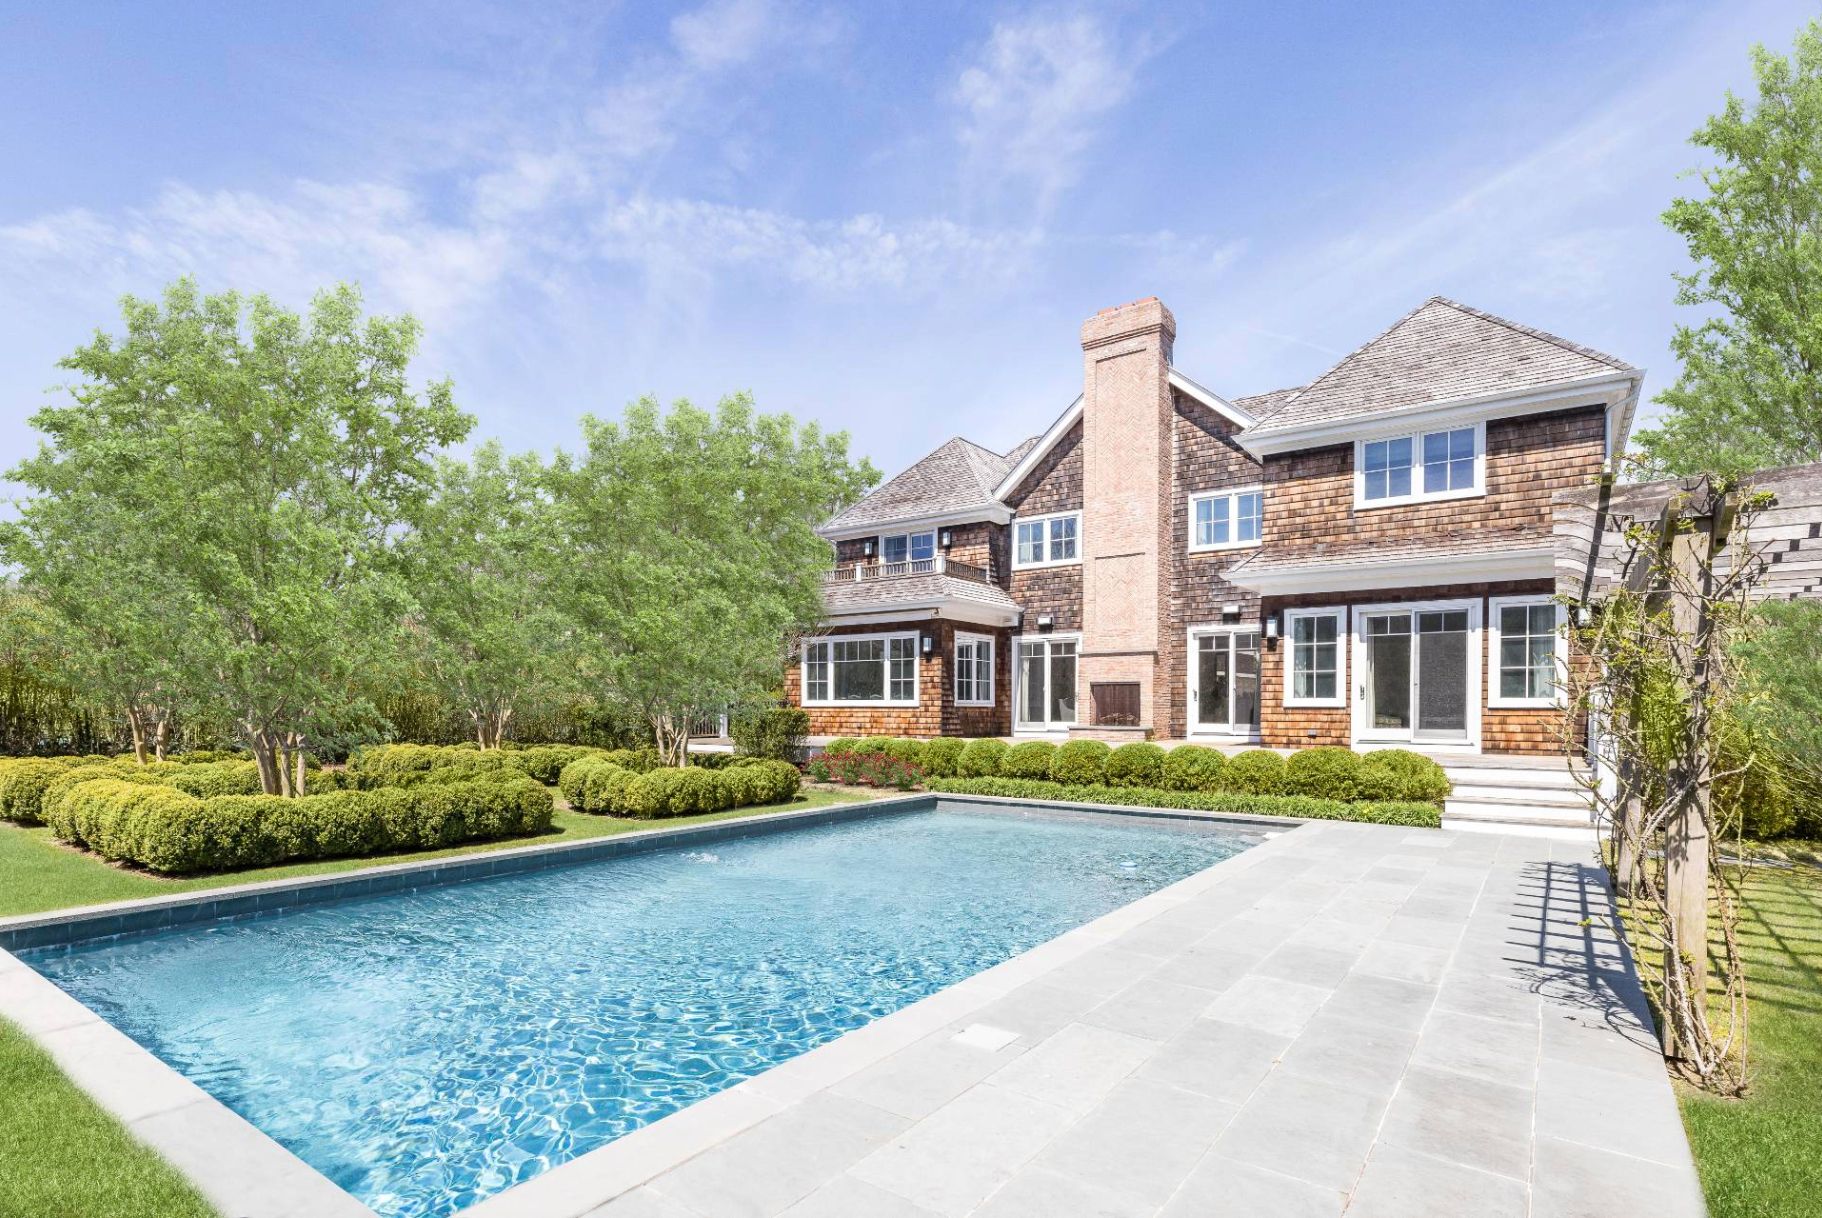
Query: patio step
{"type": "Point", "coordinates": [1517, 795]}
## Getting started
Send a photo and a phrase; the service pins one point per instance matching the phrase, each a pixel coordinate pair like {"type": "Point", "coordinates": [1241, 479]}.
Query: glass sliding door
{"type": "Point", "coordinates": [1442, 675]}
{"type": "Point", "coordinates": [1388, 672]}
{"type": "Point", "coordinates": [1046, 683]}
{"type": "Point", "coordinates": [1416, 682]}
{"type": "Point", "coordinates": [1224, 686]}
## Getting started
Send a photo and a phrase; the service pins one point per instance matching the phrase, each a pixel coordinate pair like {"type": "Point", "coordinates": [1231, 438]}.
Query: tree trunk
{"type": "Point", "coordinates": [266, 756]}
{"type": "Point", "coordinates": [162, 734]}
{"type": "Point", "coordinates": [671, 733]}
{"type": "Point", "coordinates": [1626, 858]}
{"type": "Point", "coordinates": [297, 763]}
{"type": "Point", "coordinates": [136, 725]}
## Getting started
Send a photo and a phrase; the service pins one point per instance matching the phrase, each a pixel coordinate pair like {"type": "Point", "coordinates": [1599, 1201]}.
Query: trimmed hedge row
{"type": "Point", "coordinates": [26, 783]}
{"type": "Point", "coordinates": [1378, 812]}
{"type": "Point", "coordinates": [161, 827]}
{"type": "Point", "coordinates": [1336, 774]}
{"type": "Point", "coordinates": [597, 784]}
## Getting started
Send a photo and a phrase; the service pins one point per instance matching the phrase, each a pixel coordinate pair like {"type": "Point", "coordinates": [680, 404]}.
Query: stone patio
{"type": "Point", "coordinates": [1346, 1019]}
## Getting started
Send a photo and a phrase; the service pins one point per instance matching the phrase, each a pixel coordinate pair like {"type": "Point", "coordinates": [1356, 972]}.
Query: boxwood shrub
{"type": "Point", "coordinates": [981, 758]}
{"type": "Point", "coordinates": [1028, 759]}
{"type": "Point", "coordinates": [1080, 761]}
{"type": "Point", "coordinates": [1421, 815]}
{"type": "Point", "coordinates": [911, 752]}
{"type": "Point", "coordinates": [1323, 773]}
{"type": "Point", "coordinates": [942, 756]}
{"type": "Point", "coordinates": [600, 787]}
{"type": "Point", "coordinates": [22, 785]}
{"type": "Point", "coordinates": [1192, 767]}
{"type": "Point", "coordinates": [873, 744]}
{"type": "Point", "coordinates": [840, 745]}
{"type": "Point", "coordinates": [1404, 774]}
{"type": "Point", "coordinates": [1253, 772]}
{"type": "Point", "coordinates": [1138, 764]}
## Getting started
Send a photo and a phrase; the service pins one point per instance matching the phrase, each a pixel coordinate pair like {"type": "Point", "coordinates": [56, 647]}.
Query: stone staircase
{"type": "Point", "coordinates": [1502, 793]}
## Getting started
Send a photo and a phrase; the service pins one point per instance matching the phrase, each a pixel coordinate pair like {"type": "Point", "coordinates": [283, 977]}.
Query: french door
{"type": "Point", "coordinates": [1224, 683]}
{"type": "Point", "coordinates": [1416, 675]}
{"type": "Point", "coordinates": [1046, 684]}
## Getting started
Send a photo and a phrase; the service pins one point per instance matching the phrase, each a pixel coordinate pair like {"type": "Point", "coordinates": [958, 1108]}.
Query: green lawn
{"type": "Point", "coordinates": [1761, 1156]}
{"type": "Point", "coordinates": [37, 873]}
{"type": "Point", "coordinates": [63, 1157]}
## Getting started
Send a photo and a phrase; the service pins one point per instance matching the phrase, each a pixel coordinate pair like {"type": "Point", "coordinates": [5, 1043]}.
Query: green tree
{"type": "Point", "coordinates": [480, 568]}
{"type": "Point", "coordinates": [1750, 391]}
{"type": "Point", "coordinates": [256, 469]}
{"type": "Point", "coordinates": [692, 560]}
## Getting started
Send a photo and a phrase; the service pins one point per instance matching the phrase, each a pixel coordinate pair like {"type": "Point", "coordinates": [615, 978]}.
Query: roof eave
{"type": "Point", "coordinates": [1589, 391]}
{"type": "Point", "coordinates": [992, 513]}
{"type": "Point", "coordinates": [1395, 571]}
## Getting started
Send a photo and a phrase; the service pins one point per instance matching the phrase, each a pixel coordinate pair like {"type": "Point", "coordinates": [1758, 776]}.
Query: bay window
{"type": "Point", "coordinates": [880, 669]}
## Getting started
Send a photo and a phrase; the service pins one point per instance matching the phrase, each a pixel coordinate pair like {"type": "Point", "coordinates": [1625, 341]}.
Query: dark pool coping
{"type": "Point", "coordinates": [247, 1174]}
{"type": "Point", "coordinates": [92, 923]}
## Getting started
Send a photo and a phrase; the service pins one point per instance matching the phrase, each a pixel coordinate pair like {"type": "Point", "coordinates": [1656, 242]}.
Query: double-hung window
{"type": "Point", "coordinates": [1226, 520]}
{"type": "Point", "coordinates": [1317, 659]}
{"type": "Point", "coordinates": [908, 547]}
{"type": "Point", "coordinates": [973, 670]}
{"type": "Point", "coordinates": [1047, 541]}
{"type": "Point", "coordinates": [859, 669]}
{"type": "Point", "coordinates": [1424, 465]}
{"type": "Point", "coordinates": [1526, 643]}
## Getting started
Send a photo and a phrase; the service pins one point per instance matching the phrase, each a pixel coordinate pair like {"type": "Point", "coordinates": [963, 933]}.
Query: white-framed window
{"type": "Point", "coordinates": [908, 547]}
{"type": "Point", "coordinates": [1315, 662]}
{"type": "Point", "coordinates": [1449, 463]}
{"type": "Point", "coordinates": [1047, 541]}
{"type": "Point", "coordinates": [973, 670]}
{"type": "Point", "coordinates": [860, 670]}
{"type": "Point", "coordinates": [1226, 520]}
{"type": "Point", "coordinates": [1526, 651]}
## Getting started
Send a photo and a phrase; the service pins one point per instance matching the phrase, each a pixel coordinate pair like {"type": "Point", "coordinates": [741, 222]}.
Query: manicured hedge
{"type": "Point", "coordinates": [942, 757]}
{"type": "Point", "coordinates": [23, 781]}
{"type": "Point", "coordinates": [169, 830]}
{"type": "Point", "coordinates": [1402, 774]}
{"type": "Point", "coordinates": [1080, 761]}
{"type": "Point", "coordinates": [1375, 812]}
{"type": "Point", "coordinates": [1192, 767]}
{"type": "Point", "coordinates": [981, 758]}
{"type": "Point", "coordinates": [1139, 764]}
{"type": "Point", "coordinates": [1254, 772]}
{"type": "Point", "coordinates": [1323, 773]}
{"type": "Point", "coordinates": [594, 784]}
{"type": "Point", "coordinates": [1028, 759]}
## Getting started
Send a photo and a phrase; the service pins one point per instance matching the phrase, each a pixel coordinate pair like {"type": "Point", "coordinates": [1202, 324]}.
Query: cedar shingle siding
{"type": "Point", "coordinates": [1440, 352]}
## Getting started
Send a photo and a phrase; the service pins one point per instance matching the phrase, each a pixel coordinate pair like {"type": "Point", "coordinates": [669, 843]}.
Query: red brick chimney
{"type": "Point", "coordinates": [1126, 511]}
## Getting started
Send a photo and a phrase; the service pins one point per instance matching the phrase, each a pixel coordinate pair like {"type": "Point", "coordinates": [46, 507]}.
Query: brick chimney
{"type": "Point", "coordinates": [1126, 511]}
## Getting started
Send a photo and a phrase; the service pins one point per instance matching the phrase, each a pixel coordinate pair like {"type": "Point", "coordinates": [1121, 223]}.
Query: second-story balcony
{"type": "Point", "coordinates": [915, 589]}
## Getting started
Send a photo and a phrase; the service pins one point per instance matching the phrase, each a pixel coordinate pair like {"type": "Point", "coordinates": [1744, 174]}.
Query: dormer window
{"type": "Point", "coordinates": [1421, 466]}
{"type": "Point", "coordinates": [908, 547]}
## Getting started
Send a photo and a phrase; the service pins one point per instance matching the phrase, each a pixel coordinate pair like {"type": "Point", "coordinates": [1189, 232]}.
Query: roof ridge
{"type": "Point", "coordinates": [1338, 364]}
{"type": "Point", "coordinates": [1534, 332]}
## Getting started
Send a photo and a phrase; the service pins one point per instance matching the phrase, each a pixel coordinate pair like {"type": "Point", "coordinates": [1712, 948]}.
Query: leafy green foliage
{"type": "Point", "coordinates": [1386, 813]}
{"type": "Point", "coordinates": [1323, 773]}
{"type": "Point", "coordinates": [1080, 762]}
{"type": "Point", "coordinates": [942, 757]}
{"type": "Point", "coordinates": [1750, 390]}
{"type": "Point", "coordinates": [1402, 774]}
{"type": "Point", "coordinates": [1137, 764]}
{"type": "Point", "coordinates": [1192, 767]}
{"type": "Point", "coordinates": [597, 785]}
{"type": "Point", "coordinates": [1254, 772]}
{"type": "Point", "coordinates": [981, 758]}
{"type": "Point", "coordinates": [1028, 759]}
{"type": "Point", "coordinates": [770, 731]}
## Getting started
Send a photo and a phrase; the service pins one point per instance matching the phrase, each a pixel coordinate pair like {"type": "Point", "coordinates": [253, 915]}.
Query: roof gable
{"type": "Point", "coordinates": [959, 476]}
{"type": "Point", "coordinates": [1441, 351]}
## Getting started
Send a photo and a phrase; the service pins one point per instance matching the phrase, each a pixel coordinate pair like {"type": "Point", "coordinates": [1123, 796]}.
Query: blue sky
{"type": "Point", "coordinates": [888, 217]}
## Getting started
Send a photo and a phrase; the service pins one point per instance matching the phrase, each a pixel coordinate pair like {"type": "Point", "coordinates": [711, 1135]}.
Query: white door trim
{"type": "Point", "coordinates": [1191, 683]}
{"type": "Point", "coordinates": [1047, 729]}
{"type": "Point", "coordinates": [1363, 734]}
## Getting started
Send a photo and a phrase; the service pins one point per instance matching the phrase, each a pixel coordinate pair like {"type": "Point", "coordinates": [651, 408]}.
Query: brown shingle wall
{"type": "Point", "coordinates": [1204, 457]}
{"type": "Point", "coordinates": [1054, 486]}
{"type": "Point", "coordinates": [1310, 494]}
{"type": "Point", "coordinates": [936, 713]}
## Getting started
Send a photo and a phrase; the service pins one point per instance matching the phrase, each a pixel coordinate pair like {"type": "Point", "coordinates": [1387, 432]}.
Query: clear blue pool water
{"type": "Point", "coordinates": [427, 1049]}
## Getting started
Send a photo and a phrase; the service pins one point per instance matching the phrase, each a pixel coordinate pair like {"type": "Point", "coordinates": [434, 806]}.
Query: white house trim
{"type": "Point", "coordinates": [976, 640]}
{"type": "Point", "coordinates": [1288, 647]}
{"type": "Point", "coordinates": [1044, 519]}
{"type": "Point", "coordinates": [997, 513]}
{"type": "Point", "coordinates": [917, 658]}
{"type": "Point", "coordinates": [1363, 732]}
{"type": "Point", "coordinates": [1475, 490]}
{"type": "Point", "coordinates": [1399, 571]}
{"type": "Point", "coordinates": [947, 608]}
{"type": "Point", "coordinates": [1560, 698]}
{"type": "Point", "coordinates": [1191, 690]}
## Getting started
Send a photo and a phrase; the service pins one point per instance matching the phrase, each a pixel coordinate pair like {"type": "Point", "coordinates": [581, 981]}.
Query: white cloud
{"type": "Point", "coordinates": [682, 236]}
{"type": "Point", "coordinates": [1034, 98]}
{"type": "Point", "coordinates": [725, 32]}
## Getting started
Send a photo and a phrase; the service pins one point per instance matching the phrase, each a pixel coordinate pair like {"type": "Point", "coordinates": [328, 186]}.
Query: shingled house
{"type": "Point", "coordinates": [1363, 560]}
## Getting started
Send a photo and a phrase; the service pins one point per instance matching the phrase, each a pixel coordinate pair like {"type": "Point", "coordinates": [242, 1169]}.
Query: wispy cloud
{"type": "Point", "coordinates": [1034, 98]}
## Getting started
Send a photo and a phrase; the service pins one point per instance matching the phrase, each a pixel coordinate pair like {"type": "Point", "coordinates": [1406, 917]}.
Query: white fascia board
{"type": "Point", "coordinates": [950, 608]}
{"type": "Point", "coordinates": [1619, 421]}
{"type": "Point", "coordinates": [992, 513]}
{"type": "Point", "coordinates": [1046, 442]}
{"type": "Point", "coordinates": [1586, 391]}
{"type": "Point", "coordinates": [1429, 571]}
{"type": "Point", "coordinates": [1211, 399]}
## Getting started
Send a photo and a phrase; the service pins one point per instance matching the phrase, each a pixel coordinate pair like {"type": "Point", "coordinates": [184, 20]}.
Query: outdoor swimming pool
{"type": "Point", "coordinates": [427, 1049]}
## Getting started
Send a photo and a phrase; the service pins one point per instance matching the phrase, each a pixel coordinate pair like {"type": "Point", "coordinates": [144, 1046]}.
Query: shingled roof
{"type": "Point", "coordinates": [958, 477]}
{"type": "Point", "coordinates": [1441, 351]}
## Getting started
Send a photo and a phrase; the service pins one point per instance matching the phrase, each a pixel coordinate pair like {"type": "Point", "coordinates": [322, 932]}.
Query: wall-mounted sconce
{"type": "Point", "coordinates": [929, 644]}
{"type": "Point", "coordinates": [946, 538]}
{"type": "Point", "coordinates": [1580, 614]}
{"type": "Point", "coordinates": [1231, 609]}
{"type": "Point", "coordinates": [1045, 621]}
{"type": "Point", "coordinates": [1271, 626]}
{"type": "Point", "coordinates": [866, 547]}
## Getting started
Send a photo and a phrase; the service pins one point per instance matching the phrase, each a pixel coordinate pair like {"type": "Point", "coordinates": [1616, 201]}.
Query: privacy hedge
{"type": "Point", "coordinates": [166, 829]}
{"type": "Point", "coordinates": [1334, 774]}
{"type": "Point", "coordinates": [597, 785]}
{"type": "Point", "coordinates": [1420, 815]}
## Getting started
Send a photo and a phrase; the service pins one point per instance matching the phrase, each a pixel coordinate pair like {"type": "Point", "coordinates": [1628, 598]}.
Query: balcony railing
{"type": "Point", "coordinates": [861, 573]}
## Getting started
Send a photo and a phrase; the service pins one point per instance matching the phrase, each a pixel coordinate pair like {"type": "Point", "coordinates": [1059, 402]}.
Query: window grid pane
{"type": "Point", "coordinates": [892, 549]}
{"type": "Point", "coordinates": [1527, 651]}
{"type": "Point", "coordinates": [1315, 656]}
{"type": "Point", "coordinates": [1251, 515]}
{"type": "Point", "coordinates": [923, 546]}
{"type": "Point", "coordinates": [1062, 538]}
{"type": "Point", "coordinates": [1031, 541]}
